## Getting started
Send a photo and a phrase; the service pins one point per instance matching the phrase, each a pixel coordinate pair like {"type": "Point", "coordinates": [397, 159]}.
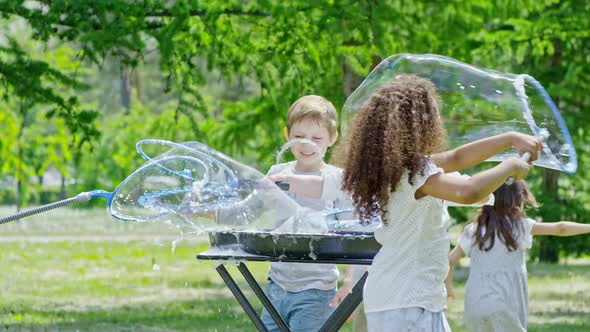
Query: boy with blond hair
{"type": "Point", "coordinates": [302, 293]}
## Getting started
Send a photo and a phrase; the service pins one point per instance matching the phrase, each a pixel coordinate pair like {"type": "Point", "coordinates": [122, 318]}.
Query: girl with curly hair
{"type": "Point", "coordinates": [395, 162]}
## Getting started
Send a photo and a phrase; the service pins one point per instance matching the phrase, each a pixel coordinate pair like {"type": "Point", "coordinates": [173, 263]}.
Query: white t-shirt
{"type": "Point", "coordinates": [296, 277]}
{"type": "Point", "coordinates": [410, 268]}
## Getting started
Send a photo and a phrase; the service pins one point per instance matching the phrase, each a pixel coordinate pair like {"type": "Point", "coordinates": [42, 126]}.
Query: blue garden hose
{"type": "Point", "coordinates": [81, 197]}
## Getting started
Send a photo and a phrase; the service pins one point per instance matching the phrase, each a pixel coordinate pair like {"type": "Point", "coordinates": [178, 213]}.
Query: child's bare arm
{"type": "Point", "coordinates": [307, 185]}
{"type": "Point", "coordinates": [473, 153]}
{"type": "Point", "coordinates": [345, 289]}
{"type": "Point", "coordinates": [470, 190]}
{"type": "Point", "coordinates": [562, 228]}
{"type": "Point", "coordinates": [454, 257]}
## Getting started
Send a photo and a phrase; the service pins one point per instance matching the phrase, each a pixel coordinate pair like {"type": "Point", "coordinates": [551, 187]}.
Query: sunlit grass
{"type": "Point", "coordinates": [84, 271]}
{"type": "Point", "coordinates": [71, 222]}
{"type": "Point", "coordinates": [114, 286]}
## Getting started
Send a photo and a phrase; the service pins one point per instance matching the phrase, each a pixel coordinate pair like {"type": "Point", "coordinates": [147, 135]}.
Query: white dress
{"type": "Point", "coordinates": [405, 287]}
{"type": "Point", "coordinates": [496, 296]}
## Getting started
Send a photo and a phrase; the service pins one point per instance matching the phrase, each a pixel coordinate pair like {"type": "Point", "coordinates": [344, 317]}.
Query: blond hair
{"type": "Point", "coordinates": [314, 107]}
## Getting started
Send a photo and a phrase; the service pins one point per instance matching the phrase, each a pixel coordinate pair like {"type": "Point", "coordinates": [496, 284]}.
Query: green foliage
{"type": "Point", "coordinates": [225, 73]}
{"type": "Point", "coordinates": [34, 82]}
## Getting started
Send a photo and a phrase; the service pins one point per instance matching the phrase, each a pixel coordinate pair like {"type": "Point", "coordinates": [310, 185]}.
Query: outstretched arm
{"type": "Point", "coordinates": [473, 153]}
{"type": "Point", "coordinates": [470, 190]}
{"type": "Point", "coordinates": [454, 257]}
{"type": "Point", "coordinates": [562, 228]}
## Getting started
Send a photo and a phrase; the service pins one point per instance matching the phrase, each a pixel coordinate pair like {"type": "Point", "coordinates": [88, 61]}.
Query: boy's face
{"type": "Point", "coordinates": [313, 131]}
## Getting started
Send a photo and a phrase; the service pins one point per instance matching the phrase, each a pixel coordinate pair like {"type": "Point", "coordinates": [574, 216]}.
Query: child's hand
{"type": "Point", "coordinates": [306, 185]}
{"type": "Point", "coordinates": [520, 167]}
{"type": "Point", "coordinates": [526, 143]}
{"type": "Point", "coordinates": [342, 292]}
{"type": "Point", "coordinates": [280, 177]}
{"type": "Point", "coordinates": [450, 291]}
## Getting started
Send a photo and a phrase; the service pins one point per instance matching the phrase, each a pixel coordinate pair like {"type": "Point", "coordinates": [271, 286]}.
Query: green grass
{"type": "Point", "coordinates": [78, 222]}
{"type": "Point", "coordinates": [113, 286]}
{"type": "Point", "coordinates": [83, 271]}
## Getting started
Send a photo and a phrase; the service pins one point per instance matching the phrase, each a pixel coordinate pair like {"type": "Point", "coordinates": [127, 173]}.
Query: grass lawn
{"type": "Point", "coordinates": [75, 270]}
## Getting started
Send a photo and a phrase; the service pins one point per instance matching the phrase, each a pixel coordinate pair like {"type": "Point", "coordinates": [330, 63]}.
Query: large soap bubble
{"type": "Point", "coordinates": [209, 191]}
{"type": "Point", "coordinates": [198, 189]}
{"type": "Point", "coordinates": [479, 103]}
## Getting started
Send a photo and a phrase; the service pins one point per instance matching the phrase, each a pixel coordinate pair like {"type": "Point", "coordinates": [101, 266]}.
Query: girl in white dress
{"type": "Point", "coordinates": [496, 296]}
{"type": "Point", "coordinates": [393, 161]}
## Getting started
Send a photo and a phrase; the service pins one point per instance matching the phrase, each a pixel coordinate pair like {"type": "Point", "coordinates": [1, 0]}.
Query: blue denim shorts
{"type": "Point", "coordinates": [304, 311]}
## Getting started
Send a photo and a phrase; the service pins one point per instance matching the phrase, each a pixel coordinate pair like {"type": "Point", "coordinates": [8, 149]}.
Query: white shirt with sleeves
{"type": "Point", "coordinates": [296, 277]}
{"type": "Point", "coordinates": [410, 268]}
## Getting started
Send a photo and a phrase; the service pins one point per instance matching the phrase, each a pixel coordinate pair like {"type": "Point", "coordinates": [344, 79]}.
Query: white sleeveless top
{"type": "Point", "coordinates": [410, 268]}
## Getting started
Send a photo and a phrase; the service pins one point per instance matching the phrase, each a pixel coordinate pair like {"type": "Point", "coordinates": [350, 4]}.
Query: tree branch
{"type": "Point", "coordinates": [166, 13]}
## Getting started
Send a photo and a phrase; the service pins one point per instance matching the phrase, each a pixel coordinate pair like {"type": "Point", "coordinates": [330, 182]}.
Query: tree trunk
{"type": "Point", "coordinates": [39, 189]}
{"type": "Point", "coordinates": [136, 82]}
{"type": "Point", "coordinates": [19, 172]}
{"type": "Point", "coordinates": [350, 80]}
{"type": "Point", "coordinates": [548, 248]}
{"type": "Point", "coordinates": [126, 89]}
{"type": "Point", "coordinates": [548, 251]}
{"type": "Point", "coordinates": [19, 188]}
{"type": "Point", "coordinates": [62, 188]}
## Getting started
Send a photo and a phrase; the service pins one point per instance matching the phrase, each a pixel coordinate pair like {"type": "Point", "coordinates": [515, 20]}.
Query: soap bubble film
{"type": "Point", "coordinates": [194, 184]}
{"type": "Point", "coordinates": [479, 103]}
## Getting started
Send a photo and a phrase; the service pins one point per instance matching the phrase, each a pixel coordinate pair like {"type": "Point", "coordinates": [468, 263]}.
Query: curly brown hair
{"type": "Point", "coordinates": [397, 129]}
{"type": "Point", "coordinates": [503, 219]}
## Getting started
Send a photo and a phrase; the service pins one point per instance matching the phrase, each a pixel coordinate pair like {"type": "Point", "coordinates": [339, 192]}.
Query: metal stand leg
{"type": "Point", "coordinates": [345, 309]}
{"type": "Point", "coordinates": [263, 298]}
{"type": "Point", "coordinates": [231, 284]}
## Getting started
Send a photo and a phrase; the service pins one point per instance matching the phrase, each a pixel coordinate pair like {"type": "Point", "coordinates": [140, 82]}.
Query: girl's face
{"type": "Point", "coordinates": [310, 155]}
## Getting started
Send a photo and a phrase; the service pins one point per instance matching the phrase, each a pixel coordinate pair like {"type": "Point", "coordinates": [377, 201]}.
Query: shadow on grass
{"type": "Point", "coordinates": [210, 315]}
{"type": "Point", "coordinates": [558, 327]}
{"type": "Point", "coordinates": [541, 270]}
